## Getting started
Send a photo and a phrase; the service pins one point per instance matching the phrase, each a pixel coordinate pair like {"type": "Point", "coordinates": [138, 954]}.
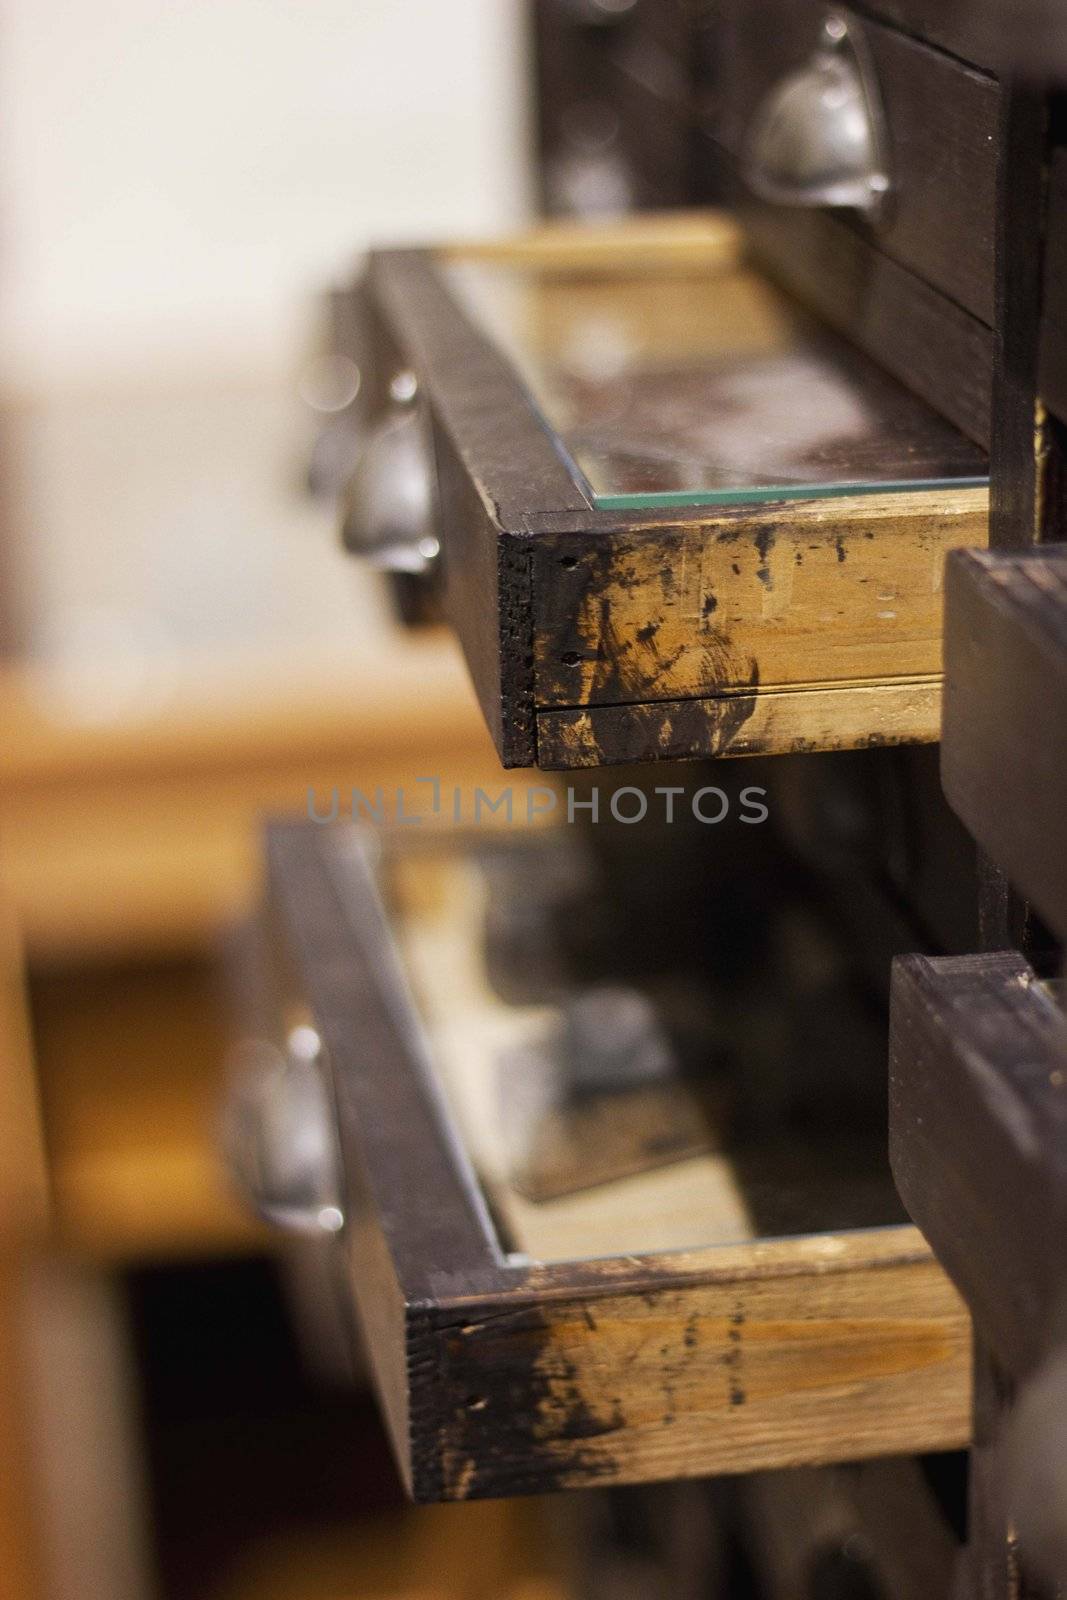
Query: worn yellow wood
{"type": "Point", "coordinates": [818, 592]}
{"type": "Point", "coordinates": [832, 1349]}
{"type": "Point", "coordinates": [769, 723]}
{"type": "Point", "coordinates": [851, 1364]}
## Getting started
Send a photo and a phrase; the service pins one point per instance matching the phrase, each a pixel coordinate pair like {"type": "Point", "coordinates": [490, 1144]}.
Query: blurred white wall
{"type": "Point", "coordinates": [177, 175]}
{"type": "Point", "coordinates": [179, 179]}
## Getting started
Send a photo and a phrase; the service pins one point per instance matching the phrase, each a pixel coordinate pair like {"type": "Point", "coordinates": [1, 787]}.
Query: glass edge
{"type": "Point", "coordinates": [747, 497]}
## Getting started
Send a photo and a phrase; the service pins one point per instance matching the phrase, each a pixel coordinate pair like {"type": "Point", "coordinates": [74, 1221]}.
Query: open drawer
{"type": "Point", "coordinates": [675, 516]}
{"type": "Point", "coordinates": [702, 1308]}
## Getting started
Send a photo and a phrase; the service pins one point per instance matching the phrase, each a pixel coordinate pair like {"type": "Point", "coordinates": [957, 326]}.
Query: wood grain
{"type": "Point", "coordinates": [813, 593]}
{"type": "Point", "coordinates": [739, 1372]}
{"type": "Point", "coordinates": [502, 1376]}
{"type": "Point", "coordinates": [773, 722]}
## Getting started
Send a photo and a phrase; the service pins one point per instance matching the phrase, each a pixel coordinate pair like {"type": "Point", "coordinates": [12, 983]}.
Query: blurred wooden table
{"type": "Point", "coordinates": [130, 846]}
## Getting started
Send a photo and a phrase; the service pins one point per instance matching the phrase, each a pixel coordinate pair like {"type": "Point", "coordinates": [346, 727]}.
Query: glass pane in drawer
{"type": "Point", "coordinates": [682, 384]}
{"type": "Point", "coordinates": [709, 1108]}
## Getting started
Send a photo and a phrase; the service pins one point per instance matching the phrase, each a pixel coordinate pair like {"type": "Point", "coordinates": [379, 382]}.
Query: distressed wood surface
{"type": "Point", "coordinates": [747, 1365]}
{"type": "Point", "coordinates": [502, 1376]}
{"type": "Point", "coordinates": [847, 717]}
{"type": "Point", "coordinates": [814, 593]}
{"type": "Point", "coordinates": [1004, 753]}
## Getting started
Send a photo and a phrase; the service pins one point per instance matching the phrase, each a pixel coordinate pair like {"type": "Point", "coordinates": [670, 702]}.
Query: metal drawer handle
{"type": "Point", "coordinates": [818, 139]}
{"type": "Point", "coordinates": [281, 1139]}
{"type": "Point", "coordinates": [388, 499]}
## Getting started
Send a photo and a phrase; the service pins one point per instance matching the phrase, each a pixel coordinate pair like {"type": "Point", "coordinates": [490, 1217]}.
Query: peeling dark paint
{"type": "Point", "coordinates": [764, 541]}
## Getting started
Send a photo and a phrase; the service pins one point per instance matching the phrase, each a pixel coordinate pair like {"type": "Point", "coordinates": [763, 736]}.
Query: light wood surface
{"type": "Point", "coordinates": [685, 239]}
{"type": "Point", "coordinates": [845, 717]}
{"type": "Point", "coordinates": [847, 1357]}
{"type": "Point", "coordinates": [132, 1060]}
{"type": "Point", "coordinates": [142, 833]}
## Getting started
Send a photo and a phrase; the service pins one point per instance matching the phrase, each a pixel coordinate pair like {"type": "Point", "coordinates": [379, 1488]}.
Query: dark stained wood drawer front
{"type": "Point", "coordinates": [941, 123]}
{"type": "Point", "coordinates": [506, 1358]}
{"type": "Point", "coordinates": [1004, 750]}
{"type": "Point", "coordinates": [912, 284]}
{"type": "Point", "coordinates": [678, 516]}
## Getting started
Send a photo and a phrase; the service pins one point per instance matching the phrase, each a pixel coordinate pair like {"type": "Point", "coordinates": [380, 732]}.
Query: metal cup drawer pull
{"type": "Point", "coordinates": [818, 139]}
{"type": "Point", "coordinates": [281, 1138]}
{"type": "Point", "coordinates": [388, 500]}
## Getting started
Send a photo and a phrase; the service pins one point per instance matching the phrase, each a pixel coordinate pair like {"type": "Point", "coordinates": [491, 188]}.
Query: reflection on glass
{"type": "Point", "coordinates": [679, 386]}
{"type": "Point", "coordinates": [622, 1088]}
